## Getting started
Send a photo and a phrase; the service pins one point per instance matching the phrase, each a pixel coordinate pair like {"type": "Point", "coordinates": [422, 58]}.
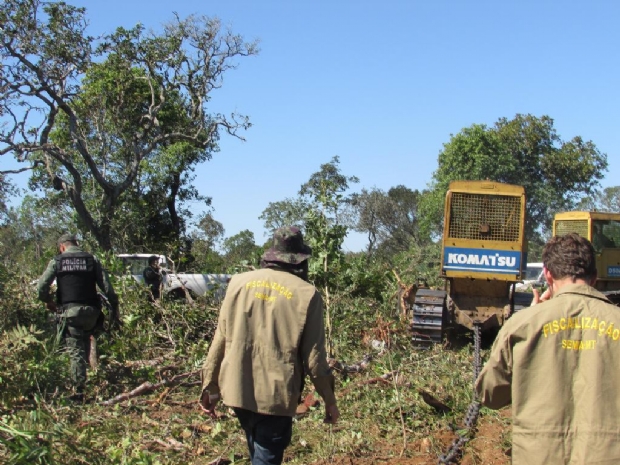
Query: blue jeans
{"type": "Point", "coordinates": [268, 435]}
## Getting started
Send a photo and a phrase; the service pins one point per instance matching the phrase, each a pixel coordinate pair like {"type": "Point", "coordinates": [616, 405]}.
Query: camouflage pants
{"type": "Point", "coordinates": [78, 324]}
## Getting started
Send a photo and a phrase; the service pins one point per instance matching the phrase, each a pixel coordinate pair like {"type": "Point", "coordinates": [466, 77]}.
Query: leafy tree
{"type": "Point", "coordinates": [7, 189]}
{"type": "Point", "coordinates": [202, 255]}
{"type": "Point", "coordinates": [294, 211]}
{"type": "Point", "coordinates": [535, 247]}
{"type": "Point", "coordinates": [389, 219]}
{"type": "Point", "coordinates": [526, 151]}
{"type": "Point", "coordinates": [201, 258]}
{"type": "Point", "coordinates": [29, 237]}
{"type": "Point", "coordinates": [420, 263]}
{"type": "Point", "coordinates": [324, 194]}
{"type": "Point", "coordinates": [115, 124]}
{"type": "Point", "coordinates": [241, 252]}
{"type": "Point", "coordinates": [210, 230]}
{"type": "Point", "coordinates": [607, 200]}
{"type": "Point", "coordinates": [369, 204]}
{"type": "Point", "coordinates": [323, 211]}
{"type": "Point", "coordinates": [287, 212]}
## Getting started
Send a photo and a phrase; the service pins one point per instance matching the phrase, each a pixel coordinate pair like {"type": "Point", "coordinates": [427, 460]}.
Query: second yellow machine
{"type": "Point", "coordinates": [603, 230]}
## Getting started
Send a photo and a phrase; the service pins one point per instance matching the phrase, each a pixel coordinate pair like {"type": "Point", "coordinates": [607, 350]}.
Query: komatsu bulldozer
{"type": "Point", "coordinates": [483, 256]}
{"type": "Point", "coordinates": [603, 231]}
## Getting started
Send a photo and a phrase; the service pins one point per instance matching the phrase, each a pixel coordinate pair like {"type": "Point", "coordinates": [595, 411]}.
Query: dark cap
{"type": "Point", "coordinates": [288, 247]}
{"type": "Point", "coordinates": [67, 238]}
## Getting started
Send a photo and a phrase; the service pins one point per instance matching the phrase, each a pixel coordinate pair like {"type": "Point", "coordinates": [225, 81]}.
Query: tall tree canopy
{"type": "Point", "coordinates": [324, 193]}
{"type": "Point", "coordinates": [607, 200]}
{"type": "Point", "coordinates": [323, 211]}
{"type": "Point", "coordinates": [6, 190]}
{"type": "Point", "coordinates": [390, 219]}
{"type": "Point", "coordinates": [116, 124]}
{"type": "Point", "coordinates": [240, 251]}
{"type": "Point", "coordinates": [287, 212]}
{"type": "Point", "coordinates": [526, 151]}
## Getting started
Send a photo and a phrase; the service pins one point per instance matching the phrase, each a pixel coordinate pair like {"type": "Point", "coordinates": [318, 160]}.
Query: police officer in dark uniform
{"type": "Point", "coordinates": [77, 275]}
{"type": "Point", "coordinates": [153, 278]}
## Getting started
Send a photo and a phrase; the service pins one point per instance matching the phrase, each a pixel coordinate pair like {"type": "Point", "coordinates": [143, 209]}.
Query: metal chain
{"type": "Point", "coordinates": [477, 356]}
{"type": "Point", "coordinates": [471, 417]}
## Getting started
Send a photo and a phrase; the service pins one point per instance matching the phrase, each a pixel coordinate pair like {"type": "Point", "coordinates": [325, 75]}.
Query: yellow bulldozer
{"type": "Point", "coordinates": [484, 254]}
{"type": "Point", "coordinates": [603, 231]}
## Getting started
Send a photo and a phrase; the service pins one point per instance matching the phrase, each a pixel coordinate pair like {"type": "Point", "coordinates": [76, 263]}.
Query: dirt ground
{"type": "Point", "coordinates": [487, 448]}
{"type": "Point", "coordinates": [490, 444]}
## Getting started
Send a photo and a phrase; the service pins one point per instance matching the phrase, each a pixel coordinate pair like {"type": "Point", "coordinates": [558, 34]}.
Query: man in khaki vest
{"type": "Point", "coordinates": [270, 334]}
{"type": "Point", "coordinates": [557, 364]}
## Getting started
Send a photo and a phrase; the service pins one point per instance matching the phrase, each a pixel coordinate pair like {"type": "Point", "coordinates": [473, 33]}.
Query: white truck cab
{"type": "Point", "coordinates": [177, 283]}
{"type": "Point", "coordinates": [534, 277]}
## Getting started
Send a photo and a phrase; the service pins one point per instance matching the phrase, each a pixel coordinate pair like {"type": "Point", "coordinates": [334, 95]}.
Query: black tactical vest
{"type": "Point", "coordinates": [76, 279]}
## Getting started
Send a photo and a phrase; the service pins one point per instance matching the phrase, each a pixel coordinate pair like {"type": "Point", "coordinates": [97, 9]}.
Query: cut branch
{"type": "Point", "coordinates": [148, 387]}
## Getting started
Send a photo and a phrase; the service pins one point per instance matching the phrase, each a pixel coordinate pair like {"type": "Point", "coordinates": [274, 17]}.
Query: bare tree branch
{"type": "Point", "coordinates": [36, 163]}
{"type": "Point", "coordinates": [100, 114]}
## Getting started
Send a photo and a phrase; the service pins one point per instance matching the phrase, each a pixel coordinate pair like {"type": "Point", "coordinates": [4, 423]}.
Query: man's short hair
{"type": "Point", "coordinates": [570, 256]}
{"type": "Point", "coordinates": [67, 238]}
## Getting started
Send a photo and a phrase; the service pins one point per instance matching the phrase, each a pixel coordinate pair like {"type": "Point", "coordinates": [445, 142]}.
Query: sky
{"type": "Point", "coordinates": [383, 85]}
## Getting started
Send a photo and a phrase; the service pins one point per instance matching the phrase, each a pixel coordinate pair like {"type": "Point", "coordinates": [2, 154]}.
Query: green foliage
{"type": "Point", "coordinates": [365, 278]}
{"type": "Point", "coordinates": [26, 447]}
{"type": "Point", "coordinates": [420, 263]}
{"type": "Point", "coordinates": [202, 258]}
{"type": "Point", "coordinates": [37, 354]}
{"type": "Point", "coordinates": [117, 124]}
{"type": "Point", "coordinates": [607, 200]}
{"type": "Point", "coordinates": [158, 342]}
{"type": "Point", "coordinates": [324, 193]}
{"type": "Point", "coordinates": [28, 241]}
{"type": "Point", "coordinates": [7, 189]}
{"type": "Point", "coordinates": [390, 219]}
{"type": "Point", "coordinates": [525, 151]}
{"type": "Point", "coordinates": [326, 242]}
{"type": "Point", "coordinates": [201, 254]}
{"type": "Point", "coordinates": [240, 252]}
{"type": "Point", "coordinates": [535, 247]}
{"type": "Point", "coordinates": [209, 230]}
{"type": "Point", "coordinates": [4, 276]}
{"type": "Point", "coordinates": [287, 212]}
{"type": "Point", "coordinates": [45, 435]}
{"type": "Point", "coordinates": [18, 304]}
{"type": "Point", "coordinates": [39, 425]}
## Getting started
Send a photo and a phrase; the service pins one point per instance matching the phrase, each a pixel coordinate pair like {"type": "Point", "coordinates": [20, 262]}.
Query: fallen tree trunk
{"type": "Point", "coordinates": [148, 387]}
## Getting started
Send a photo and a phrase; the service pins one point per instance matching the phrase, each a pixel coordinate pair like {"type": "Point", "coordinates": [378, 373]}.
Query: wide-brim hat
{"type": "Point", "coordinates": [288, 247]}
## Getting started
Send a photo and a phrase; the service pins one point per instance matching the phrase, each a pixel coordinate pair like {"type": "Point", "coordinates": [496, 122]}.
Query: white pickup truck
{"type": "Point", "coordinates": [177, 284]}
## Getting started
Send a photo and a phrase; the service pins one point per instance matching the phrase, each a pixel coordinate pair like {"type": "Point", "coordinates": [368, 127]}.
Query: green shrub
{"type": "Point", "coordinates": [18, 303]}
{"type": "Point", "coordinates": [41, 365]}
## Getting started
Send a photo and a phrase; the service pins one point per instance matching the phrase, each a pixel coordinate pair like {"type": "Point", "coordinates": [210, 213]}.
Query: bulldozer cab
{"type": "Point", "coordinates": [603, 231]}
{"type": "Point", "coordinates": [484, 250]}
{"type": "Point", "coordinates": [484, 253]}
{"type": "Point", "coordinates": [484, 231]}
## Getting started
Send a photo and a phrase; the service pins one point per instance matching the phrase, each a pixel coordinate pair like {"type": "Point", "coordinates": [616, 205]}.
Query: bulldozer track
{"type": "Point", "coordinates": [427, 323]}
